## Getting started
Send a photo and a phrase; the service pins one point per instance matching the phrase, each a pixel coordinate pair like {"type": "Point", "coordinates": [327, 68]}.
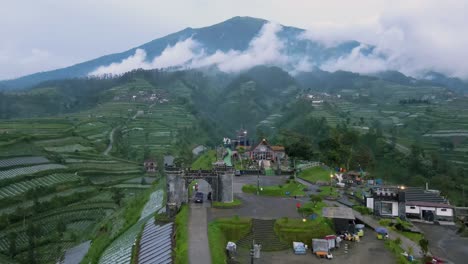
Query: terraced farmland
{"type": "Point", "coordinates": [154, 204]}
{"type": "Point", "coordinates": [50, 127]}
{"type": "Point", "coordinates": [29, 203]}
{"type": "Point", "coordinates": [120, 250]}
{"type": "Point", "coordinates": [24, 186]}
{"type": "Point", "coordinates": [64, 154]}
{"type": "Point", "coordinates": [69, 148]}
{"type": "Point", "coordinates": [155, 244]}
{"type": "Point", "coordinates": [22, 161]}
{"type": "Point", "coordinates": [12, 173]}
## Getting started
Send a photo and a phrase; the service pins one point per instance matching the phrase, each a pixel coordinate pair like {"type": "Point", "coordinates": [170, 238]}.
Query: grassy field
{"type": "Point", "coordinates": [205, 161]}
{"type": "Point", "coordinates": [315, 174]}
{"type": "Point", "coordinates": [235, 203]}
{"type": "Point", "coordinates": [411, 235]}
{"type": "Point", "coordinates": [293, 188]}
{"type": "Point", "coordinates": [291, 229]}
{"type": "Point", "coordinates": [329, 191]}
{"type": "Point", "coordinates": [309, 208]}
{"type": "Point", "coordinates": [222, 230]}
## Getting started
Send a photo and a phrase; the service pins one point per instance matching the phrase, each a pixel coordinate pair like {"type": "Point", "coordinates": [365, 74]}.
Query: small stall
{"type": "Point", "coordinates": [331, 241]}
{"type": "Point", "coordinates": [320, 248]}
{"type": "Point", "coordinates": [299, 248]}
{"type": "Point", "coordinates": [343, 218]}
{"type": "Point", "coordinates": [382, 232]}
{"type": "Point", "coordinates": [360, 230]}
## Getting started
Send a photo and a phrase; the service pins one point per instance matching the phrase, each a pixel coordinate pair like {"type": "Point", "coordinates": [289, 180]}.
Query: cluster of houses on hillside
{"type": "Point", "coordinates": [151, 96]}
{"type": "Point", "coordinates": [319, 98]}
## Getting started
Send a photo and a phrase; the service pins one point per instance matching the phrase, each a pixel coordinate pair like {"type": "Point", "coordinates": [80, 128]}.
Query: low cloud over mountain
{"type": "Point", "coordinates": [264, 49]}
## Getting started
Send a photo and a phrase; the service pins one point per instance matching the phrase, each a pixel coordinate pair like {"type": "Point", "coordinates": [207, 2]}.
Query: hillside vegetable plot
{"type": "Point", "coordinates": [155, 244]}
{"type": "Point", "coordinates": [22, 161]}
{"type": "Point", "coordinates": [154, 204]}
{"type": "Point", "coordinates": [120, 251]}
{"type": "Point", "coordinates": [69, 148]}
{"type": "Point", "coordinates": [24, 186]}
{"type": "Point", "coordinates": [7, 174]}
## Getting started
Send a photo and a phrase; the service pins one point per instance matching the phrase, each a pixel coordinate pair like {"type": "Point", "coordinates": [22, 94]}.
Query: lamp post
{"type": "Point", "coordinates": [258, 178]}
{"type": "Point", "coordinates": [245, 137]}
{"type": "Point", "coordinates": [294, 164]}
{"type": "Point", "coordinates": [252, 252]}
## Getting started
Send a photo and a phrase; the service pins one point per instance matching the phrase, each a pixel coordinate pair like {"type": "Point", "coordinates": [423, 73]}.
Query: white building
{"type": "Point", "coordinates": [429, 211]}
{"type": "Point", "coordinates": [412, 202]}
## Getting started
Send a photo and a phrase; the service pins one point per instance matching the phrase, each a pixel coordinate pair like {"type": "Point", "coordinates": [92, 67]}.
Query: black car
{"type": "Point", "coordinates": [199, 197]}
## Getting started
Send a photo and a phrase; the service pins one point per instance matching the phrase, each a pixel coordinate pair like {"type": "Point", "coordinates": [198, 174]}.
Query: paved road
{"type": "Point", "coordinates": [111, 141]}
{"type": "Point", "coordinates": [445, 243]}
{"type": "Point", "coordinates": [260, 207]}
{"type": "Point", "coordinates": [199, 250]}
{"type": "Point", "coordinates": [406, 243]}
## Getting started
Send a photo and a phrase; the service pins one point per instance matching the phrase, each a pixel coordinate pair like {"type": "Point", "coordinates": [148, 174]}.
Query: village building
{"type": "Point", "coordinates": [409, 202]}
{"type": "Point", "coordinates": [263, 151]}
{"type": "Point", "coordinates": [386, 201]}
{"type": "Point", "coordinates": [427, 205]}
{"type": "Point", "coordinates": [150, 165]}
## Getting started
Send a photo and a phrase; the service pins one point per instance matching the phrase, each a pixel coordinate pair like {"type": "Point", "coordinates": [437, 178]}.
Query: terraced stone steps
{"type": "Point", "coordinates": [264, 234]}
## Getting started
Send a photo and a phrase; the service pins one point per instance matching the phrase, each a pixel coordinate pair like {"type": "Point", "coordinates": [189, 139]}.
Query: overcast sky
{"type": "Point", "coordinates": [48, 34]}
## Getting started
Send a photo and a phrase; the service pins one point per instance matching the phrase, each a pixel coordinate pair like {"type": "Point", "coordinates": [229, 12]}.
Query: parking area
{"type": "Point", "coordinates": [368, 250]}
{"type": "Point", "coordinates": [445, 243]}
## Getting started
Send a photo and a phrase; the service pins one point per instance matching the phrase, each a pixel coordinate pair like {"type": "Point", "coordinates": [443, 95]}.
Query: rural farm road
{"type": "Point", "coordinates": [199, 249]}
{"type": "Point", "coordinates": [111, 141]}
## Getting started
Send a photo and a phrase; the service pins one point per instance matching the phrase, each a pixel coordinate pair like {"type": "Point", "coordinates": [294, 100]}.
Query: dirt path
{"type": "Point", "coordinates": [199, 249]}
{"type": "Point", "coordinates": [111, 141]}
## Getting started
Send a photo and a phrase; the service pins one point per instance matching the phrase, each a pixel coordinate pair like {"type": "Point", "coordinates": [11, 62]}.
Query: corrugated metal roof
{"type": "Point", "coordinates": [417, 194]}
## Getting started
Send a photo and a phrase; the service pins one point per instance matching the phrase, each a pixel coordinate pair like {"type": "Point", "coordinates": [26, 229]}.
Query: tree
{"type": "Point", "coordinates": [143, 181]}
{"type": "Point", "coordinates": [298, 147]}
{"type": "Point", "coordinates": [315, 199]}
{"type": "Point", "coordinates": [117, 196]}
{"type": "Point", "coordinates": [424, 243]}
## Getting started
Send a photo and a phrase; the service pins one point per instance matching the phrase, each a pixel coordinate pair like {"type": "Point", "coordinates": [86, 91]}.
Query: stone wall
{"type": "Point", "coordinates": [225, 187]}
{"type": "Point", "coordinates": [176, 193]}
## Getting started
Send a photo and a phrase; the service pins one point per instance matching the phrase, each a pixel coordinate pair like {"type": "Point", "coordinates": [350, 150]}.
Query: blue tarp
{"type": "Point", "coordinates": [381, 230]}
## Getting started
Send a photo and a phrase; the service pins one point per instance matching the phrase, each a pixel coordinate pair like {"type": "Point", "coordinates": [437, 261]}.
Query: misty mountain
{"type": "Point", "coordinates": [232, 36]}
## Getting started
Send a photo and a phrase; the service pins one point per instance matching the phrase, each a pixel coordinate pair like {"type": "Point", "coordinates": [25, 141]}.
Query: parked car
{"type": "Point", "coordinates": [237, 173]}
{"type": "Point", "coordinates": [198, 197]}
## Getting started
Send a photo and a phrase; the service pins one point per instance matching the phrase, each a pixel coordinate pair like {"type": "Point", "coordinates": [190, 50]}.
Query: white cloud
{"type": "Point", "coordinates": [356, 61]}
{"type": "Point", "coordinates": [265, 49]}
{"type": "Point", "coordinates": [15, 63]}
{"type": "Point", "coordinates": [172, 56]}
{"type": "Point", "coordinates": [415, 36]}
{"type": "Point", "coordinates": [412, 37]}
